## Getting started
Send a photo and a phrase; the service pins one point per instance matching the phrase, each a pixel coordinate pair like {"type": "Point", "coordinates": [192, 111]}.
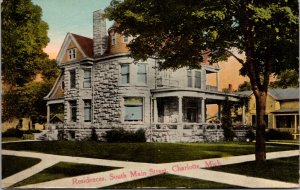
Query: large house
{"type": "Point", "coordinates": [101, 87]}
{"type": "Point", "coordinates": [282, 110]}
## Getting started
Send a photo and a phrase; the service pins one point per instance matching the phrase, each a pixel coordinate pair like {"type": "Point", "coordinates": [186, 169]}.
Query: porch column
{"type": "Point", "coordinates": [203, 110]}
{"type": "Point", "coordinates": [48, 115]}
{"type": "Point", "coordinates": [295, 124]}
{"type": "Point", "coordinates": [179, 109]}
{"type": "Point", "coordinates": [219, 112]}
{"type": "Point", "coordinates": [244, 115]}
{"type": "Point", "coordinates": [155, 112]}
{"type": "Point", "coordinates": [218, 80]}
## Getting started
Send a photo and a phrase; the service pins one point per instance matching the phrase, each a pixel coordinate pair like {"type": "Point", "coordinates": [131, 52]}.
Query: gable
{"type": "Point", "coordinates": [79, 54]}
{"type": "Point", "coordinates": [57, 91]}
{"type": "Point", "coordinates": [83, 46]}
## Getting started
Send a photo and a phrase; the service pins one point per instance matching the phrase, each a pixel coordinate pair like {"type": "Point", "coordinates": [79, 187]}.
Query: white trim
{"type": "Point", "coordinates": [63, 50]}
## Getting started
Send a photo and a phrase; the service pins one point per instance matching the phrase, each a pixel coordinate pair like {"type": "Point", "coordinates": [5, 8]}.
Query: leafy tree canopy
{"type": "Point", "coordinates": [24, 35]}
{"type": "Point", "coordinates": [288, 78]}
{"type": "Point", "coordinates": [244, 86]}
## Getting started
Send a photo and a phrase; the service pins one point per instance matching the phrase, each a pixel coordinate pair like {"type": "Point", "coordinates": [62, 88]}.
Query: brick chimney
{"type": "Point", "coordinates": [99, 33]}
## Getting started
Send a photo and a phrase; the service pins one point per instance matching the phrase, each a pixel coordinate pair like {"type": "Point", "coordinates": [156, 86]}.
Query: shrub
{"type": "Point", "coordinates": [273, 134]}
{"type": "Point", "coordinates": [30, 131]}
{"type": "Point", "coordinates": [228, 133]}
{"type": "Point", "coordinates": [250, 135]}
{"type": "Point", "coordinates": [12, 132]}
{"type": "Point", "coordinates": [120, 135]}
{"type": "Point", "coordinates": [94, 136]}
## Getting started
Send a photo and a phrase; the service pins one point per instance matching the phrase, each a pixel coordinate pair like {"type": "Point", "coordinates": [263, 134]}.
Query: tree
{"type": "Point", "coordinates": [244, 86]}
{"type": "Point", "coordinates": [181, 32]}
{"type": "Point", "coordinates": [24, 35]}
{"type": "Point", "coordinates": [286, 79]}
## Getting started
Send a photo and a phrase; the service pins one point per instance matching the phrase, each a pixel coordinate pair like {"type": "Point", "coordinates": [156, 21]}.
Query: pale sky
{"type": "Point", "coordinates": [63, 16]}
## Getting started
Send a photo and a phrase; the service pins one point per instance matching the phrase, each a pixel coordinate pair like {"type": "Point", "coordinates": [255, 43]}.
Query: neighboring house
{"type": "Point", "coordinates": [282, 109]}
{"type": "Point", "coordinates": [101, 87]}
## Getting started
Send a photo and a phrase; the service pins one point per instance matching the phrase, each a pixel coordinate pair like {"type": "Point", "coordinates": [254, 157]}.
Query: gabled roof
{"type": "Point", "coordinates": [57, 91]}
{"type": "Point", "coordinates": [85, 43]}
{"type": "Point", "coordinates": [278, 94]}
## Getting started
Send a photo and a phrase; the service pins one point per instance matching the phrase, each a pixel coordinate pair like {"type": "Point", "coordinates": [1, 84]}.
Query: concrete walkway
{"type": "Point", "coordinates": [134, 170]}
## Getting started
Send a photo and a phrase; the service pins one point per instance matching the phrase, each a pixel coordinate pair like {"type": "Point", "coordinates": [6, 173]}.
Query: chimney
{"type": "Point", "coordinates": [99, 33]}
{"type": "Point", "coordinates": [230, 88]}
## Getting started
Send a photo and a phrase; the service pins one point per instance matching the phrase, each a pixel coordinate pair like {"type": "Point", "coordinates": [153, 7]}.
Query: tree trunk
{"type": "Point", "coordinates": [260, 144]}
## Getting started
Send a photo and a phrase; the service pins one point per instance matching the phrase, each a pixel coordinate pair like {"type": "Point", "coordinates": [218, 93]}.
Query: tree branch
{"type": "Point", "coordinates": [238, 59]}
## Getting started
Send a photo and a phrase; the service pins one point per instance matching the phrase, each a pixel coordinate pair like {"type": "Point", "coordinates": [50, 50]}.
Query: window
{"type": "Point", "coordinates": [133, 109]}
{"type": "Point", "coordinates": [87, 78]}
{"type": "Point", "coordinates": [142, 73]}
{"type": "Point", "coordinates": [72, 79]}
{"type": "Point", "coordinates": [125, 74]}
{"type": "Point", "coordinates": [113, 39]}
{"type": "Point", "coordinates": [125, 39]}
{"type": "Point", "coordinates": [87, 111]}
{"type": "Point", "coordinates": [189, 78]}
{"type": "Point", "coordinates": [284, 121]}
{"type": "Point", "coordinates": [72, 54]}
{"type": "Point", "coordinates": [197, 79]}
{"type": "Point", "coordinates": [73, 110]}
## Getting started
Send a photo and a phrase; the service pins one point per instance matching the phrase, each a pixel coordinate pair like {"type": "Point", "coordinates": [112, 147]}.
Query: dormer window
{"type": "Point", "coordinates": [72, 54]}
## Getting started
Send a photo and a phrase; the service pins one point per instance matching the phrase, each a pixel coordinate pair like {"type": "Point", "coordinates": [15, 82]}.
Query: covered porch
{"type": "Point", "coordinates": [181, 114]}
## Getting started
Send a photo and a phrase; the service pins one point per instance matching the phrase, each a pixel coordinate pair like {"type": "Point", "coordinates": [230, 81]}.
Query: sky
{"type": "Point", "coordinates": [63, 16]}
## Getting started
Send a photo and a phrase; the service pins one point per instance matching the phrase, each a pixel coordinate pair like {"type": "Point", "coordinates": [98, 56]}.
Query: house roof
{"type": "Point", "coordinates": [278, 94]}
{"type": "Point", "coordinates": [293, 110]}
{"type": "Point", "coordinates": [85, 43]}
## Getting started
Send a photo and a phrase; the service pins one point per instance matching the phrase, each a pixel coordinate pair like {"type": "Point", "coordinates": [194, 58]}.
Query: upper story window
{"type": "Point", "coordinates": [73, 111]}
{"type": "Point", "coordinates": [189, 78]}
{"type": "Point", "coordinates": [87, 111]}
{"type": "Point", "coordinates": [133, 109]}
{"type": "Point", "coordinates": [113, 38]}
{"type": "Point", "coordinates": [125, 74]}
{"type": "Point", "coordinates": [72, 54]}
{"type": "Point", "coordinates": [72, 79]}
{"type": "Point", "coordinates": [87, 78]}
{"type": "Point", "coordinates": [197, 79]}
{"type": "Point", "coordinates": [142, 73]}
{"type": "Point", "coordinates": [126, 39]}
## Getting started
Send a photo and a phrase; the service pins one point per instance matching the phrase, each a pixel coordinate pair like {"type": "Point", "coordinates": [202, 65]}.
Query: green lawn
{"type": "Point", "coordinates": [282, 169]}
{"type": "Point", "coordinates": [143, 152]}
{"type": "Point", "coordinates": [286, 141]}
{"type": "Point", "coordinates": [14, 164]}
{"type": "Point", "coordinates": [25, 137]}
{"type": "Point", "coordinates": [62, 170]}
{"type": "Point", "coordinates": [170, 181]}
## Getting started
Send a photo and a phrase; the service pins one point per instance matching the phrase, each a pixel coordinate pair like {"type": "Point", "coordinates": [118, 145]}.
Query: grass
{"type": "Point", "coordinates": [170, 181]}
{"type": "Point", "coordinates": [62, 170]}
{"type": "Point", "coordinates": [282, 169]}
{"type": "Point", "coordinates": [143, 152]}
{"type": "Point", "coordinates": [25, 137]}
{"type": "Point", "coordinates": [16, 164]}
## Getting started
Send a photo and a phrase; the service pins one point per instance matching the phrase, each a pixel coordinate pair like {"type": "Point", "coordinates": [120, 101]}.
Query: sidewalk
{"type": "Point", "coordinates": [134, 170]}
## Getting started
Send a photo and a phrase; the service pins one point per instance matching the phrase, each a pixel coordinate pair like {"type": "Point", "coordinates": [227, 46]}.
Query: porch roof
{"type": "Point", "coordinates": [193, 92]}
{"type": "Point", "coordinates": [286, 111]}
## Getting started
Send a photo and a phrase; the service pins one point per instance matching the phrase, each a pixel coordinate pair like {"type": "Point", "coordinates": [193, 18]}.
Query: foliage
{"type": "Point", "coordinates": [273, 134]}
{"type": "Point", "coordinates": [286, 79]}
{"type": "Point", "coordinates": [12, 132]}
{"type": "Point", "coordinates": [94, 136]}
{"type": "Point", "coordinates": [121, 135]}
{"type": "Point", "coordinates": [26, 101]}
{"type": "Point", "coordinates": [227, 121]}
{"type": "Point", "coordinates": [24, 35]}
{"type": "Point", "coordinates": [250, 135]}
{"type": "Point", "coordinates": [181, 32]}
{"type": "Point", "coordinates": [244, 86]}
